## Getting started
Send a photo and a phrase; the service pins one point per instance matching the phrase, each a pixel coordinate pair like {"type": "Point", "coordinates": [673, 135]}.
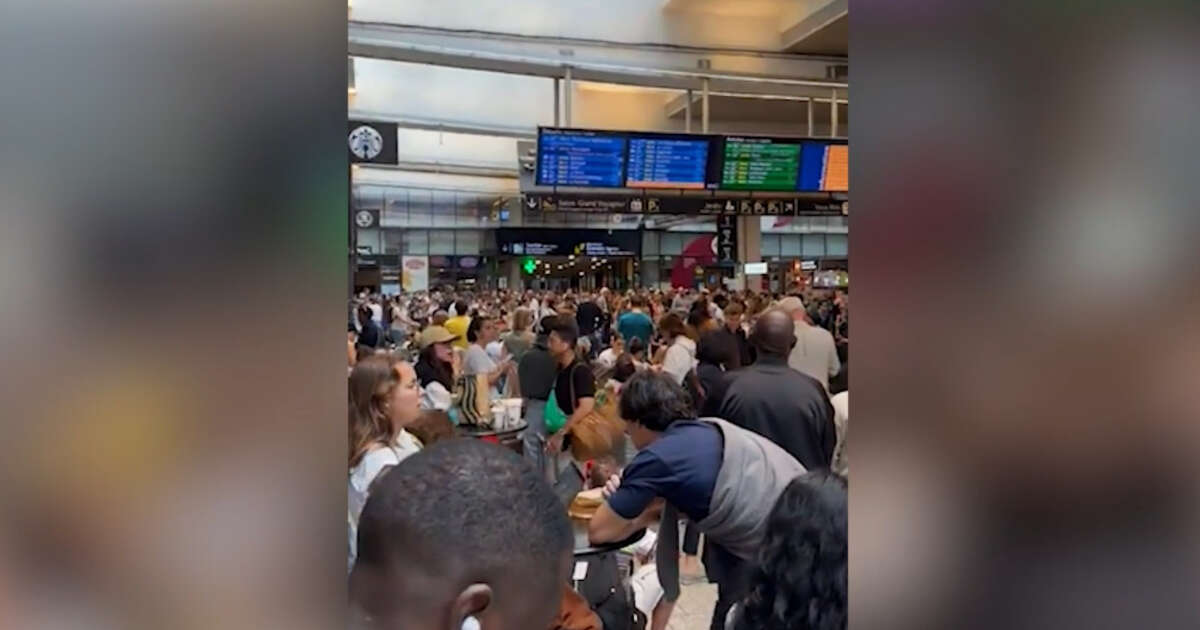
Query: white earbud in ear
{"type": "Point", "coordinates": [470, 623]}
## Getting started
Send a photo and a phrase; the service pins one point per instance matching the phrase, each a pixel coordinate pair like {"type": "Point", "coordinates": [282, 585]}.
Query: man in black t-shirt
{"type": "Point", "coordinates": [732, 329]}
{"type": "Point", "coordinates": [574, 387]}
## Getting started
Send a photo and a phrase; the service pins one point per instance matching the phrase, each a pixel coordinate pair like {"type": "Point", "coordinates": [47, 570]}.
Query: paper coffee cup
{"type": "Point", "coordinates": [512, 407]}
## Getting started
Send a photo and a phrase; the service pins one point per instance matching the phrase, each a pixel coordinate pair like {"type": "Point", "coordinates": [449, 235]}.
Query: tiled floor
{"type": "Point", "coordinates": [694, 609]}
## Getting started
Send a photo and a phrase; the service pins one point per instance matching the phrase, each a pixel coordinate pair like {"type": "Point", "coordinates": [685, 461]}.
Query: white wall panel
{"type": "Point", "coordinates": [419, 145]}
{"type": "Point", "coordinates": [632, 21]}
{"type": "Point", "coordinates": [452, 94]}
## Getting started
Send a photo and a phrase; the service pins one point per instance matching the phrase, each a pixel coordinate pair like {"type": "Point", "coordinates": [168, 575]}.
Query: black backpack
{"type": "Point", "coordinates": [611, 600]}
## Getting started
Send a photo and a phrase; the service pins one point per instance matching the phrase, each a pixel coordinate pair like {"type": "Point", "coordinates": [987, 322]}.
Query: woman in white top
{"type": "Point", "coordinates": [384, 398]}
{"type": "Point", "coordinates": [681, 355]}
{"type": "Point", "coordinates": [608, 358]}
{"type": "Point", "coordinates": [476, 361]}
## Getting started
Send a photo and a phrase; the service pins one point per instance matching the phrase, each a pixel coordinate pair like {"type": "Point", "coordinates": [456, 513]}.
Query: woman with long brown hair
{"type": "Point", "coordinates": [384, 398]}
{"type": "Point", "coordinates": [680, 357]}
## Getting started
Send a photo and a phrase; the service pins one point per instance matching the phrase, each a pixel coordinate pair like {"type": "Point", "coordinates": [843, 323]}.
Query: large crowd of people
{"type": "Point", "coordinates": [715, 416]}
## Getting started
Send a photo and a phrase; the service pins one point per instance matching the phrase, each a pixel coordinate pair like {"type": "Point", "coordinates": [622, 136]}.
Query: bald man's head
{"type": "Point", "coordinates": [774, 333]}
{"type": "Point", "coordinates": [461, 529]}
{"type": "Point", "coordinates": [793, 306]}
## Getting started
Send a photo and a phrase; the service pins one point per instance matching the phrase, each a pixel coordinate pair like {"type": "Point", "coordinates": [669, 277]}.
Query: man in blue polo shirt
{"type": "Point", "coordinates": [684, 460]}
{"type": "Point", "coordinates": [723, 477]}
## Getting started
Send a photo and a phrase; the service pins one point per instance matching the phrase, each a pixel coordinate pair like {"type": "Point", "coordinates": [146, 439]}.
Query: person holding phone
{"type": "Point", "coordinates": [476, 360]}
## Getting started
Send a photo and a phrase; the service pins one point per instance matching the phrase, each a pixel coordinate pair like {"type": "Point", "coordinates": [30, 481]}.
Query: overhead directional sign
{"type": "Point", "coordinates": [535, 242]}
{"type": "Point", "coordinates": [652, 204]}
{"type": "Point", "coordinates": [727, 239]}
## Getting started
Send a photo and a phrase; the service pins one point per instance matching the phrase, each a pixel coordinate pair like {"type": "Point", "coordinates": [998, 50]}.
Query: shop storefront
{"type": "Point", "coordinates": [785, 275]}
{"type": "Point", "coordinates": [463, 272]}
{"type": "Point", "coordinates": [561, 259]}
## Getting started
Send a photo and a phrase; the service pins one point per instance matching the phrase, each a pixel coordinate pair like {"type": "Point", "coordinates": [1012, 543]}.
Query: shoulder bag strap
{"type": "Point", "coordinates": [571, 388]}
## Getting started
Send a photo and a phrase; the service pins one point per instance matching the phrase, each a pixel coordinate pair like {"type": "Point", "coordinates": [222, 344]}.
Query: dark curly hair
{"type": "Point", "coordinates": [800, 583]}
{"type": "Point", "coordinates": [654, 401]}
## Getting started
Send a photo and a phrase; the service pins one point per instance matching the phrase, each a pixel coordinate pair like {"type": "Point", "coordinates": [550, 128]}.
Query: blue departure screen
{"type": "Point", "coordinates": [657, 162]}
{"type": "Point", "coordinates": [812, 165]}
{"type": "Point", "coordinates": [580, 158]}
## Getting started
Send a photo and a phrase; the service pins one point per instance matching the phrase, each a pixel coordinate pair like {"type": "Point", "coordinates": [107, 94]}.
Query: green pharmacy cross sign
{"type": "Point", "coordinates": [529, 265]}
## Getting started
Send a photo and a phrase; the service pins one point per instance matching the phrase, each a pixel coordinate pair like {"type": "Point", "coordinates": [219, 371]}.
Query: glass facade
{"type": "Point", "coordinates": [402, 206]}
{"type": "Point", "coordinates": [413, 242]}
{"type": "Point", "coordinates": [662, 253]}
{"type": "Point", "coordinates": [447, 224]}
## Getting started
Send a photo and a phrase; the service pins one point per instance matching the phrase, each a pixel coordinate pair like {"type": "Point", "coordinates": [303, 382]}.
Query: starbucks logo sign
{"type": "Point", "coordinates": [365, 142]}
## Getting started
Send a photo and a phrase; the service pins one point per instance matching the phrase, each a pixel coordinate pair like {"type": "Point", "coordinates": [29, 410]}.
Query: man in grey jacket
{"type": "Point", "coordinates": [724, 478]}
{"type": "Point", "coordinates": [814, 352]}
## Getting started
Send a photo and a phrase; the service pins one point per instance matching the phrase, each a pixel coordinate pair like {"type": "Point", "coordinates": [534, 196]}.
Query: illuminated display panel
{"type": "Point", "coordinates": [667, 162]}
{"type": "Point", "coordinates": [760, 164]}
{"type": "Point", "coordinates": [570, 157]}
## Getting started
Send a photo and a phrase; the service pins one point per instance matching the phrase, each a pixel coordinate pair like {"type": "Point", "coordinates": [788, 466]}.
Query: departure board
{"type": "Point", "coordinates": [760, 164]}
{"type": "Point", "coordinates": [836, 177]}
{"type": "Point", "coordinates": [824, 167]}
{"type": "Point", "coordinates": [667, 162]}
{"type": "Point", "coordinates": [569, 157]}
{"type": "Point", "coordinates": [647, 160]}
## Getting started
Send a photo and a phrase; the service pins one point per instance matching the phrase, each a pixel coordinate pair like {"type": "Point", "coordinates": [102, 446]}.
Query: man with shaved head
{"type": "Point", "coordinates": [787, 407]}
{"type": "Point", "coordinates": [461, 536]}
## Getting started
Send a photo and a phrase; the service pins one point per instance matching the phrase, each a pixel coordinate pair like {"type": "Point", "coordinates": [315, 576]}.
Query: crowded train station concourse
{"type": "Point", "coordinates": [597, 341]}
